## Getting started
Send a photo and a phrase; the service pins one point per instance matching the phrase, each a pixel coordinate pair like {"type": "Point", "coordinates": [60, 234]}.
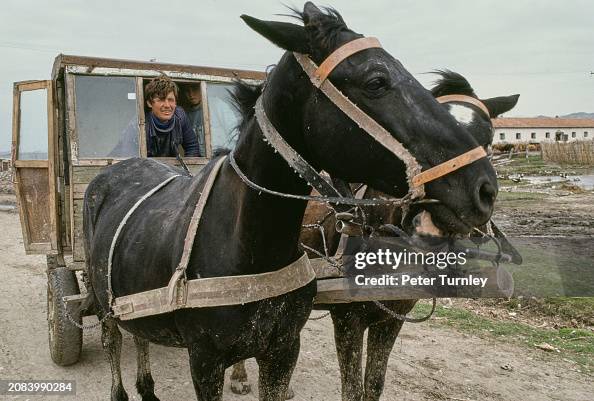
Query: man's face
{"type": "Point", "coordinates": [194, 96]}
{"type": "Point", "coordinates": [163, 108]}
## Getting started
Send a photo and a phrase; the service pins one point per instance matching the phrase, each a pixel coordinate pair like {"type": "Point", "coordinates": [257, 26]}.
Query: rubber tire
{"type": "Point", "coordinates": [65, 339]}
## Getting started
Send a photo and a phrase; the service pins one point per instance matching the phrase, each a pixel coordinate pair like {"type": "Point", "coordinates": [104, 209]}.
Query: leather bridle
{"type": "Point", "coordinates": [318, 75]}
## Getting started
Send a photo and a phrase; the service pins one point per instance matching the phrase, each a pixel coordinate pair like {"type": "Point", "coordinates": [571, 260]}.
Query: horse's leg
{"type": "Point", "coordinates": [111, 339]}
{"type": "Point", "coordinates": [239, 379]}
{"type": "Point", "coordinates": [275, 372]}
{"type": "Point", "coordinates": [380, 340]}
{"type": "Point", "coordinates": [208, 374]}
{"type": "Point", "coordinates": [144, 381]}
{"type": "Point", "coordinates": [348, 335]}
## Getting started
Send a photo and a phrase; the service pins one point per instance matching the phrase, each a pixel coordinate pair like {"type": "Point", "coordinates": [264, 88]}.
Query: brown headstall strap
{"type": "Point", "coordinates": [372, 127]}
{"type": "Point", "coordinates": [416, 178]}
{"type": "Point", "coordinates": [338, 55]}
{"type": "Point", "coordinates": [464, 99]}
{"type": "Point", "coordinates": [448, 166]}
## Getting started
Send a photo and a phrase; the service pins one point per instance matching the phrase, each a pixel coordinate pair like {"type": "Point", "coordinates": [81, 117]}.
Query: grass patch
{"type": "Point", "coordinates": [574, 344]}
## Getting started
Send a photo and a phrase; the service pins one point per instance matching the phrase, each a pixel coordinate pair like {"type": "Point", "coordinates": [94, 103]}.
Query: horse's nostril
{"type": "Point", "coordinates": [487, 194]}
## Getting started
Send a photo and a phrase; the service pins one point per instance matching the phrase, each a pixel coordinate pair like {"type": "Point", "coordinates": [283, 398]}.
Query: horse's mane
{"type": "Point", "coordinates": [451, 83]}
{"type": "Point", "coordinates": [243, 99]}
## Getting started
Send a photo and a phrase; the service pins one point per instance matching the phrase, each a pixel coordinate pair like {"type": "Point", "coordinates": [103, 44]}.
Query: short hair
{"type": "Point", "coordinates": [159, 88]}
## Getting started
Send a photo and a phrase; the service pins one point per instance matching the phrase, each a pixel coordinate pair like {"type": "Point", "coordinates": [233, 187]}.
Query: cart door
{"type": "Point", "coordinates": [33, 156]}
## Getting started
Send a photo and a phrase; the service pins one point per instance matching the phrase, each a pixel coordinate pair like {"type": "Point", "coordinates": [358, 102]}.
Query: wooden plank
{"type": "Point", "coordinates": [25, 86]}
{"type": "Point", "coordinates": [71, 117]}
{"type": "Point", "coordinates": [34, 201]}
{"type": "Point", "coordinates": [52, 154]}
{"type": "Point", "coordinates": [79, 190]}
{"type": "Point", "coordinates": [84, 174]}
{"type": "Point", "coordinates": [78, 252]}
{"type": "Point", "coordinates": [67, 223]}
{"type": "Point", "coordinates": [206, 120]}
{"type": "Point", "coordinates": [141, 117]}
{"type": "Point", "coordinates": [93, 64]}
{"type": "Point", "coordinates": [31, 163]}
{"type": "Point", "coordinates": [39, 249]}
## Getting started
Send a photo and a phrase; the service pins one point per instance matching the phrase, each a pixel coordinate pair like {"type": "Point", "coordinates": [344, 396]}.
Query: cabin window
{"type": "Point", "coordinates": [223, 116]}
{"type": "Point", "coordinates": [106, 117]}
{"type": "Point", "coordinates": [33, 126]}
{"type": "Point", "coordinates": [548, 135]}
{"type": "Point", "coordinates": [502, 136]}
{"type": "Point", "coordinates": [533, 135]}
{"type": "Point", "coordinates": [573, 134]}
{"type": "Point", "coordinates": [585, 134]}
{"type": "Point", "coordinates": [518, 135]}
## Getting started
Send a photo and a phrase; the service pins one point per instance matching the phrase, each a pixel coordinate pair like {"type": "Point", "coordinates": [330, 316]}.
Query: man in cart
{"type": "Point", "coordinates": [167, 125]}
{"type": "Point", "coordinates": [193, 97]}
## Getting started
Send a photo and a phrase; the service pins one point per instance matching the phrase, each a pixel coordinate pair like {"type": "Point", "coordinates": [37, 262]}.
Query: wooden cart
{"type": "Point", "coordinates": [63, 132]}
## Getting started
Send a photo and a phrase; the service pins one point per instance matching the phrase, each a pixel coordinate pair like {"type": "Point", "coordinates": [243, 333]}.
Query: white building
{"type": "Point", "coordinates": [536, 130]}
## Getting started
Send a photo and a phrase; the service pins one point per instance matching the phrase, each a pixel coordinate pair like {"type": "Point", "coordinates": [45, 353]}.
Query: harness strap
{"type": "Point", "coordinates": [464, 99]}
{"type": "Point", "coordinates": [175, 285]}
{"type": "Point", "coordinates": [368, 124]}
{"type": "Point", "coordinates": [295, 160]}
{"type": "Point", "coordinates": [448, 166]}
{"type": "Point", "coordinates": [338, 55]}
{"type": "Point", "coordinates": [218, 291]}
{"type": "Point", "coordinates": [121, 226]}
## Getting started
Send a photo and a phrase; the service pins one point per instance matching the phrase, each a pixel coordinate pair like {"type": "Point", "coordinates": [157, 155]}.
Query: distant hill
{"type": "Point", "coordinates": [580, 114]}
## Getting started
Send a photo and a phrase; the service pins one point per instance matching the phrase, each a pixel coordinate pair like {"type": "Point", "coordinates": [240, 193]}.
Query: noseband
{"type": "Point", "coordinates": [416, 178]}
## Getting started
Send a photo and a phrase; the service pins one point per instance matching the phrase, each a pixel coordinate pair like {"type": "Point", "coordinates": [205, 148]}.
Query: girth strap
{"type": "Point", "coordinates": [218, 291]}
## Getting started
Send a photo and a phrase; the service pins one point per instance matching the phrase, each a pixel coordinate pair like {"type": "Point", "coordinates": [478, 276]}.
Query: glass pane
{"type": "Point", "coordinates": [223, 116]}
{"type": "Point", "coordinates": [33, 133]}
{"type": "Point", "coordinates": [106, 116]}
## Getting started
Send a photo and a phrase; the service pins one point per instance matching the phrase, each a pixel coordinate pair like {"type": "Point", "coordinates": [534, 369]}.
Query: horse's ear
{"type": "Point", "coordinates": [501, 104]}
{"type": "Point", "coordinates": [311, 12]}
{"type": "Point", "coordinates": [283, 34]}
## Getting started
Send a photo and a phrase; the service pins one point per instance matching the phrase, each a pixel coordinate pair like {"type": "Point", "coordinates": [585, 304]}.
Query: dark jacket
{"type": "Point", "coordinates": [161, 139]}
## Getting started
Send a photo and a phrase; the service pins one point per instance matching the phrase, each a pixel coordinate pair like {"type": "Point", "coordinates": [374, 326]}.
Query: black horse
{"type": "Point", "coordinates": [243, 231]}
{"type": "Point", "coordinates": [352, 319]}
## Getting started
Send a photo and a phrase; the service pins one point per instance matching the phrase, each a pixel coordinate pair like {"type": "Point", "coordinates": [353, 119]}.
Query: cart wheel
{"type": "Point", "coordinates": [65, 339]}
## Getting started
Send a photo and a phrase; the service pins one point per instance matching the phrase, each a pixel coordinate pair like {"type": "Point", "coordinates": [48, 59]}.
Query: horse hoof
{"type": "Point", "coordinates": [289, 394]}
{"type": "Point", "coordinates": [240, 387]}
{"type": "Point", "coordinates": [119, 395]}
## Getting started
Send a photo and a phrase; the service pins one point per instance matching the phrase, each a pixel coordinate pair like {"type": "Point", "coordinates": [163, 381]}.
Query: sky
{"type": "Point", "coordinates": [543, 50]}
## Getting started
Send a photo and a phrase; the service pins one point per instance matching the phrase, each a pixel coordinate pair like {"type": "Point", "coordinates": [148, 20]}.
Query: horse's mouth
{"type": "Point", "coordinates": [435, 220]}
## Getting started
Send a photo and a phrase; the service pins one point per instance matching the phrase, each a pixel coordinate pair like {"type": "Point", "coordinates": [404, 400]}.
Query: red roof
{"type": "Point", "coordinates": [543, 122]}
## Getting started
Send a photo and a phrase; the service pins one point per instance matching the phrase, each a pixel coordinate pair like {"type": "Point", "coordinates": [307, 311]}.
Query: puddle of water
{"type": "Point", "coordinates": [583, 181]}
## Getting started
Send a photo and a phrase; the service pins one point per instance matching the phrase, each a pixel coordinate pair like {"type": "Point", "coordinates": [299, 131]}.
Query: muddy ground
{"type": "Point", "coordinates": [429, 361]}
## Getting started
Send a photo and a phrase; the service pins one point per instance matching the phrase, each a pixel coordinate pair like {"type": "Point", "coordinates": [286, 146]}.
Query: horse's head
{"type": "Point", "coordinates": [382, 88]}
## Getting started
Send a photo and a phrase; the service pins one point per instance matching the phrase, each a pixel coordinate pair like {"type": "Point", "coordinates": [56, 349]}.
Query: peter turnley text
{"type": "Point", "coordinates": [411, 280]}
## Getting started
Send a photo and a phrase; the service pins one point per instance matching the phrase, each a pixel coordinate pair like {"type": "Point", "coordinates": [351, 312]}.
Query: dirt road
{"type": "Point", "coordinates": [427, 363]}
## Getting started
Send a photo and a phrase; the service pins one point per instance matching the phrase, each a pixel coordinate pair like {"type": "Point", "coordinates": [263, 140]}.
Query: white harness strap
{"type": "Point", "coordinates": [114, 241]}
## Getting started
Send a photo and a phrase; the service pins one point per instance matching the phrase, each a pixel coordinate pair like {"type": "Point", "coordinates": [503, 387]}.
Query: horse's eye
{"type": "Point", "coordinates": [375, 84]}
